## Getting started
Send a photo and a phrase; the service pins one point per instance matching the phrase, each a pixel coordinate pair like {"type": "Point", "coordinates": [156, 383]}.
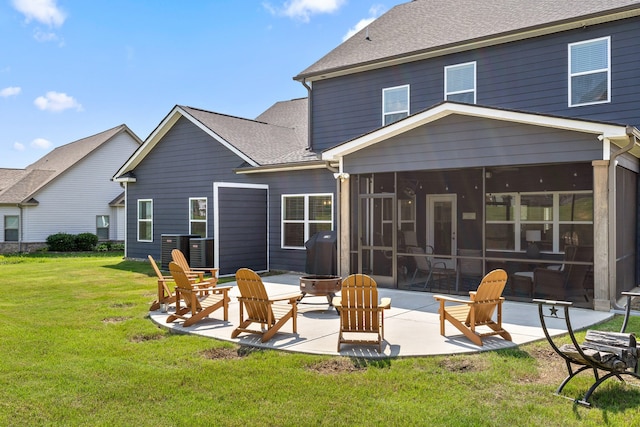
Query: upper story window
{"type": "Point", "coordinates": [460, 82]}
{"type": "Point", "coordinates": [303, 216]}
{"type": "Point", "coordinates": [590, 72]}
{"type": "Point", "coordinates": [102, 227]}
{"type": "Point", "coordinates": [145, 220]}
{"type": "Point", "coordinates": [198, 216]}
{"type": "Point", "coordinates": [11, 228]}
{"type": "Point", "coordinates": [395, 104]}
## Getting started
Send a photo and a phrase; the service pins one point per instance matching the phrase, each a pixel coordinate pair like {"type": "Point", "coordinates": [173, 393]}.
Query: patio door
{"type": "Point", "coordinates": [442, 226]}
{"type": "Point", "coordinates": [377, 232]}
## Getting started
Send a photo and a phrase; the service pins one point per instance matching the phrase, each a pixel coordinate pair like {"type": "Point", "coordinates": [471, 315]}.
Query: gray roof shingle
{"type": "Point", "coordinates": [279, 135]}
{"type": "Point", "coordinates": [19, 185]}
{"type": "Point", "coordinates": [422, 26]}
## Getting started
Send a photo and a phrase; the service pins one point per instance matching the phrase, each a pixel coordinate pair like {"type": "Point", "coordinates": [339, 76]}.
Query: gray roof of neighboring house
{"type": "Point", "coordinates": [279, 135]}
{"type": "Point", "coordinates": [421, 27]}
{"type": "Point", "coordinates": [20, 185]}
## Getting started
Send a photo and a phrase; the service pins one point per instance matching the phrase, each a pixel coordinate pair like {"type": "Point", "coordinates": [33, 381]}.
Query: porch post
{"type": "Point", "coordinates": [344, 228]}
{"type": "Point", "coordinates": [601, 252]}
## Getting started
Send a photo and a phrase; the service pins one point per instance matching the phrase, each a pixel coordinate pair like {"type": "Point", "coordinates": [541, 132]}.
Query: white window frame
{"type": "Point", "coordinates": [571, 75]}
{"type": "Point", "coordinates": [517, 221]}
{"type": "Point", "coordinates": [108, 227]}
{"type": "Point", "coordinates": [446, 80]}
{"type": "Point", "coordinates": [306, 220]}
{"type": "Point", "coordinates": [206, 215]}
{"type": "Point", "coordinates": [399, 111]}
{"type": "Point", "coordinates": [139, 220]}
{"type": "Point", "coordinates": [5, 227]}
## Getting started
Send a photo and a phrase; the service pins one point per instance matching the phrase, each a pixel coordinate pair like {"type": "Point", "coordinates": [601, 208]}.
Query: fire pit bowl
{"type": "Point", "coordinates": [320, 285]}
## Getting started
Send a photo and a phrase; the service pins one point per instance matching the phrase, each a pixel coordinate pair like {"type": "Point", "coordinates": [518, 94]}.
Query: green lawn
{"type": "Point", "coordinates": [77, 348]}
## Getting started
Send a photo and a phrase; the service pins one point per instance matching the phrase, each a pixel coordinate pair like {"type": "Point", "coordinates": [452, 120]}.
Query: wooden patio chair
{"type": "Point", "coordinates": [178, 257]}
{"type": "Point", "coordinates": [198, 304]}
{"type": "Point", "coordinates": [360, 312]}
{"type": "Point", "coordinates": [478, 310]}
{"type": "Point", "coordinates": [165, 296]}
{"type": "Point", "coordinates": [270, 313]}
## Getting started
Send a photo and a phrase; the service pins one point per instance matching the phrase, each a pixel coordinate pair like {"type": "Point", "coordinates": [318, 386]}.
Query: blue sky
{"type": "Point", "coordinates": [72, 68]}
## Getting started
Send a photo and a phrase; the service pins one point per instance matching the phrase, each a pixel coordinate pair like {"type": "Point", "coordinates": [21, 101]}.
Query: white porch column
{"type": "Point", "coordinates": [344, 229]}
{"type": "Point", "coordinates": [601, 253]}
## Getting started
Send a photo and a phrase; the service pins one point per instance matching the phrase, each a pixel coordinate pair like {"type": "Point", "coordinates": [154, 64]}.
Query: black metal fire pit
{"type": "Point", "coordinates": [320, 285]}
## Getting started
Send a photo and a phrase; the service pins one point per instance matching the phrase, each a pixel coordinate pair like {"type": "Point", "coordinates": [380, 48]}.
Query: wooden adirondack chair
{"type": "Point", "coordinates": [478, 310]}
{"type": "Point", "coordinates": [360, 312]}
{"type": "Point", "coordinates": [198, 304]}
{"type": "Point", "coordinates": [271, 313]}
{"type": "Point", "coordinates": [165, 296]}
{"type": "Point", "coordinates": [179, 258]}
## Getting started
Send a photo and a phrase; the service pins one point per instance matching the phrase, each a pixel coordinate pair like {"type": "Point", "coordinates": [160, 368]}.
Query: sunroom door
{"type": "Point", "coordinates": [442, 226]}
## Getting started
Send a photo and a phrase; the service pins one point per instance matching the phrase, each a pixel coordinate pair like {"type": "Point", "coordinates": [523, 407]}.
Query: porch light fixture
{"type": "Point", "coordinates": [533, 237]}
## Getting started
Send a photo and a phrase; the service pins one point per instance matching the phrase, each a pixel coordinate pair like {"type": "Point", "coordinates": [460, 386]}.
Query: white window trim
{"type": "Point", "coordinates": [608, 70]}
{"type": "Point", "coordinates": [388, 113]}
{"type": "Point", "coordinates": [306, 221]}
{"type": "Point", "coordinates": [555, 221]}
{"type": "Point", "coordinates": [143, 220]}
{"type": "Point", "coordinates": [475, 83]}
{"type": "Point", "coordinates": [206, 215]}
{"type": "Point", "coordinates": [108, 227]}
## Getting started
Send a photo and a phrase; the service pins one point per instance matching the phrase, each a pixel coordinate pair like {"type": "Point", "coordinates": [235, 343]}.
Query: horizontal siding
{"type": "Point", "coordinates": [72, 201]}
{"type": "Point", "coordinates": [459, 141]}
{"type": "Point", "coordinates": [529, 75]}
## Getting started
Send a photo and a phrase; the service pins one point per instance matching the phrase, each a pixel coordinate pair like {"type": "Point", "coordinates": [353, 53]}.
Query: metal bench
{"type": "Point", "coordinates": [615, 353]}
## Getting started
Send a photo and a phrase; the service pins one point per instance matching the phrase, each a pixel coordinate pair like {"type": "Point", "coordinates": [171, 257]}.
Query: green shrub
{"type": "Point", "coordinates": [86, 241]}
{"type": "Point", "coordinates": [61, 242]}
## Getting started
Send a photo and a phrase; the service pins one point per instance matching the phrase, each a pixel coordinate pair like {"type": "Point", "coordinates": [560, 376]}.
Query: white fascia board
{"type": "Point", "coordinates": [612, 132]}
{"type": "Point", "coordinates": [149, 143]}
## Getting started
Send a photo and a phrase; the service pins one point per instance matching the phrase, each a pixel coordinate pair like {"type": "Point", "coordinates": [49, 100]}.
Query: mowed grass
{"type": "Point", "coordinates": [77, 348]}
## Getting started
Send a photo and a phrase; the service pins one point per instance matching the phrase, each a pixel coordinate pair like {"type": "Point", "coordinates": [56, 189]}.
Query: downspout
{"type": "Point", "coordinates": [633, 135]}
{"type": "Point", "coordinates": [309, 127]}
{"type": "Point", "coordinates": [20, 236]}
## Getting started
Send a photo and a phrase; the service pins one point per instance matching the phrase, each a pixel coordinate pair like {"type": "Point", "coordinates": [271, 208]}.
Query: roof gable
{"type": "Point", "coordinates": [26, 182]}
{"type": "Point", "coordinates": [616, 133]}
{"type": "Point", "coordinates": [283, 139]}
{"type": "Point", "coordinates": [424, 28]}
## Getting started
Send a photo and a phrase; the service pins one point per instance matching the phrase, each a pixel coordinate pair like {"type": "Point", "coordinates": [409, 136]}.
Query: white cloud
{"type": "Point", "coordinates": [303, 9]}
{"type": "Point", "coordinates": [56, 102]}
{"type": "Point", "coordinates": [18, 146]}
{"type": "Point", "coordinates": [10, 91]}
{"type": "Point", "coordinates": [374, 13]}
{"type": "Point", "coordinates": [44, 11]}
{"type": "Point", "coordinates": [44, 36]}
{"type": "Point", "coordinates": [41, 143]}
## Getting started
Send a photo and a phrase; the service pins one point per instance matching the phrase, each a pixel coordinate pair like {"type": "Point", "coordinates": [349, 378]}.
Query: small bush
{"type": "Point", "coordinates": [61, 242]}
{"type": "Point", "coordinates": [86, 241]}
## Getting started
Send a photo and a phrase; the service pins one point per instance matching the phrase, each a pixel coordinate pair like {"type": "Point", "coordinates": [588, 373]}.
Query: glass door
{"type": "Point", "coordinates": [377, 234]}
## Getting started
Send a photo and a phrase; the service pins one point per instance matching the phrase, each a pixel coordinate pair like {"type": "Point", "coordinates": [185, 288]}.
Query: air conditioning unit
{"type": "Point", "coordinates": [201, 252]}
{"type": "Point", "coordinates": [170, 242]}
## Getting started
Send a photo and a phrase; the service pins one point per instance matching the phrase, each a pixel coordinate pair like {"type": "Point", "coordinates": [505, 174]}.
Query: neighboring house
{"type": "Point", "coordinates": [68, 190]}
{"type": "Point", "coordinates": [493, 127]}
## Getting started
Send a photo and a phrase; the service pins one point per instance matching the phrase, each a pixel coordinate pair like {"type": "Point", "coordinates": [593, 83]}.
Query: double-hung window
{"type": "Point", "coordinates": [460, 82]}
{"type": "Point", "coordinates": [303, 215]}
{"type": "Point", "coordinates": [590, 72]}
{"type": "Point", "coordinates": [395, 104]}
{"type": "Point", "coordinates": [198, 216]}
{"type": "Point", "coordinates": [102, 227]}
{"type": "Point", "coordinates": [11, 228]}
{"type": "Point", "coordinates": [145, 220]}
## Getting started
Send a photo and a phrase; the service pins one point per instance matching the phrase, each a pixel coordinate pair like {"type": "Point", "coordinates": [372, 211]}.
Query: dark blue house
{"type": "Point", "coordinates": [474, 135]}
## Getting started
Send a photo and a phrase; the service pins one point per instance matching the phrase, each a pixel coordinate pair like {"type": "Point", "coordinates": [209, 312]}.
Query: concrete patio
{"type": "Point", "coordinates": [411, 325]}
